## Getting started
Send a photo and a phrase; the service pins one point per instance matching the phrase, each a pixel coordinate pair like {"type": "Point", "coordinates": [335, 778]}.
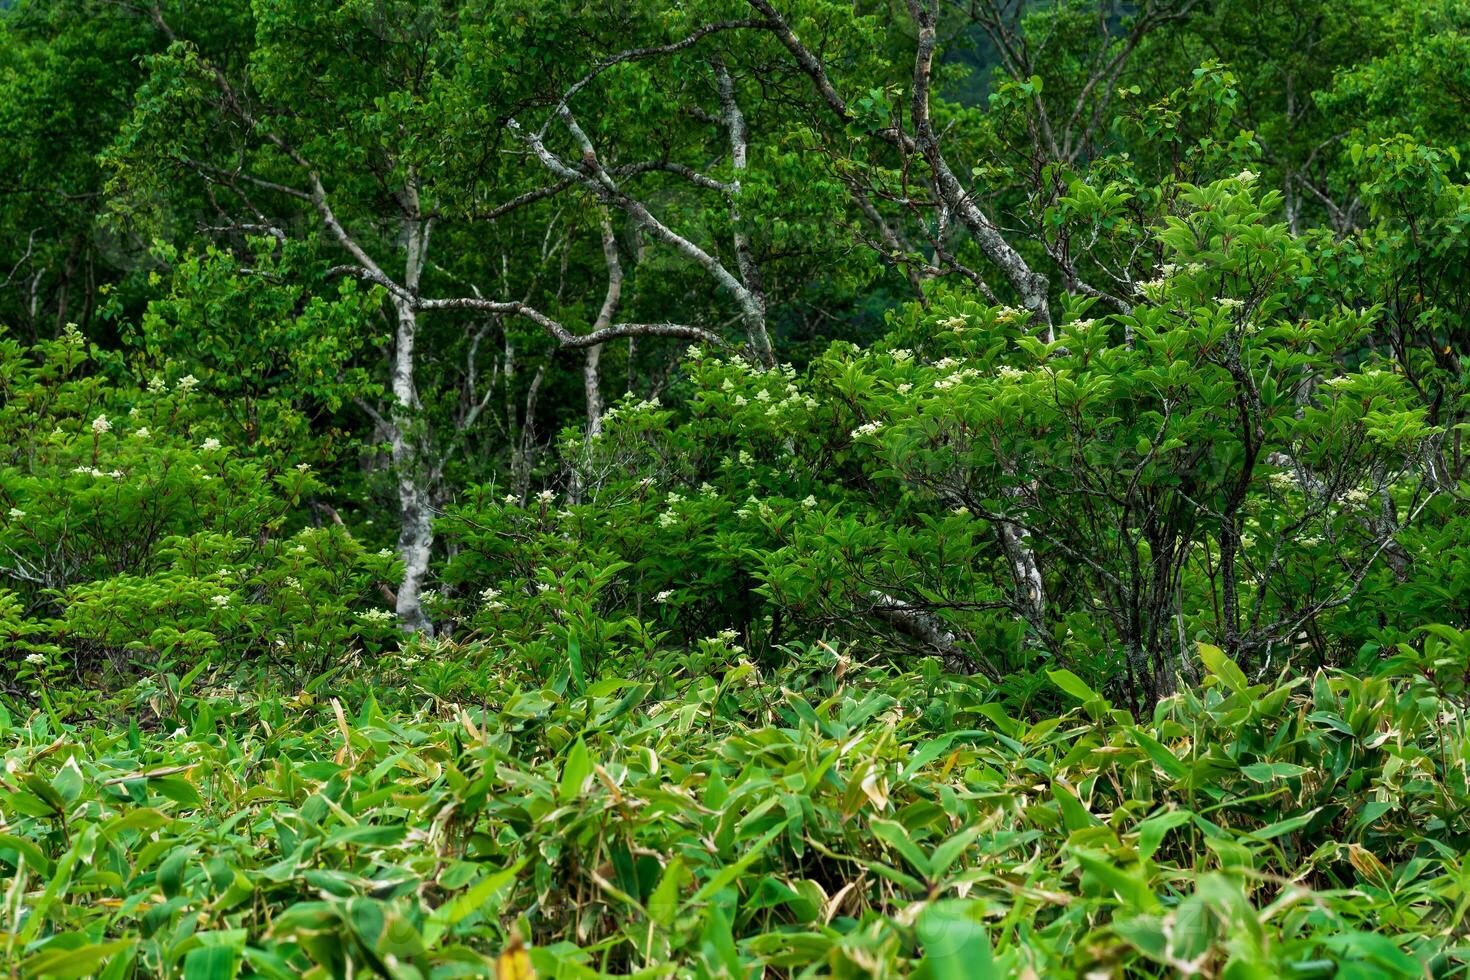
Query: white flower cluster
{"type": "Point", "coordinates": [1283, 480]}
{"type": "Point", "coordinates": [955, 323]}
{"type": "Point", "coordinates": [1007, 373]}
{"type": "Point", "coordinates": [100, 425]}
{"type": "Point", "coordinates": [726, 638]}
{"type": "Point", "coordinates": [16, 513]}
{"type": "Point", "coordinates": [209, 445]}
{"type": "Point", "coordinates": [867, 429]}
{"type": "Point", "coordinates": [1247, 176]}
{"type": "Point", "coordinates": [36, 659]}
{"type": "Point", "coordinates": [380, 616]}
{"type": "Point", "coordinates": [1357, 496]}
{"type": "Point", "coordinates": [664, 596]}
{"type": "Point", "coordinates": [1229, 302]}
{"type": "Point", "coordinates": [220, 600]}
{"type": "Point", "coordinates": [956, 377]}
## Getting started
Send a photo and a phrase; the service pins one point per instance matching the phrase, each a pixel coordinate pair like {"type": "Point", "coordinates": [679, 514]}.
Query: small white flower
{"type": "Point", "coordinates": [695, 352]}
{"type": "Point", "coordinates": [545, 497]}
{"type": "Point", "coordinates": [220, 600]}
{"type": "Point", "coordinates": [542, 587]}
{"type": "Point", "coordinates": [36, 658]}
{"type": "Point", "coordinates": [511, 500]}
{"type": "Point", "coordinates": [1008, 373]}
{"type": "Point", "coordinates": [142, 433]}
{"type": "Point", "coordinates": [489, 594]}
{"type": "Point", "coordinates": [303, 467]}
{"type": "Point", "coordinates": [667, 520]}
{"type": "Point", "coordinates": [1357, 496]}
{"type": "Point", "coordinates": [209, 445]}
{"type": "Point", "coordinates": [101, 425]}
{"type": "Point", "coordinates": [16, 513]}
{"type": "Point", "coordinates": [376, 616]}
{"type": "Point", "coordinates": [740, 401]}
{"type": "Point", "coordinates": [664, 596]}
{"type": "Point", "coordinates": [866, 429]}
{"type": "Point", "coordinates": [809, 502]}
{"type": "Point", "coordinates": [745, 458]}
{"type": "Point", "coordinates": [954, 323]}
{"type": "Point", "coordinates": [1229, 302]}
{"type": "Point", "coordinates": [187, 383]}
{"type": "Point", "coordinates": [385, 552]}
{"type": "Point", "coordinates": [905, 388]}
{"type": "Point", "coordinates": [1311, 541]}
{"type": "Point", "coordinates": [156, 384]}
{"type": "Point", "coordinates": [1246, 176]}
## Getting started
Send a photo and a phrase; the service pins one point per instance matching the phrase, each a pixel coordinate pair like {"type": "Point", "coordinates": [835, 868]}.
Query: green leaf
{"type": "Point", "coordinates": [574, 658]}
{"type": "Point", "coordinates": [956, 944]}
{"type": "Point", "coordinates": [1223, 667]}
{"type": "Point", "coordinates": [575, 771]}
{"type": "Point", "coordinates": [80, 961]}
{"type": "Point", "coordinates": [1284, 826]}
{"type": "Point", "coordinates": [1073, 685]}
{"type": "Point", "coordinates": [217, 962]}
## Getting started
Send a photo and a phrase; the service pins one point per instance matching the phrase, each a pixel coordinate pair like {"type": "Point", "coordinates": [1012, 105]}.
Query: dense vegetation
{"type": "Point", "coordinates": [734, 488]}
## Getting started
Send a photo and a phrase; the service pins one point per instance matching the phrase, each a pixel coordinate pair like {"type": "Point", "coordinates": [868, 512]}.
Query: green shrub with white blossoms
{"type": "Point", "coordinates": [1217, 463]}
{"type": "Point", "coordinates": [140, 541]}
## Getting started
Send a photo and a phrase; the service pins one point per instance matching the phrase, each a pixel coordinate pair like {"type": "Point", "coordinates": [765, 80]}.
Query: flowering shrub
{"type": "Point", "coordinates": [1214, 464]}
{"type": "Point", "coordinates": [139, 539]}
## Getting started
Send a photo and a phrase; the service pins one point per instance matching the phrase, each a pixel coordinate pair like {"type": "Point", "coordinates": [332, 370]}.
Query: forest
{"type": "Point", "coordinates": [953, 489]}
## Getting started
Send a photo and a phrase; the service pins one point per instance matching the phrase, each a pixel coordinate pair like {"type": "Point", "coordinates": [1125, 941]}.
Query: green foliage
{"type": "Point", "coordinates": [140, 540]}
{"type": "Point", "coordinates": [868, 825]}
{"type": "Point", "coordinates": [1051, 559]}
